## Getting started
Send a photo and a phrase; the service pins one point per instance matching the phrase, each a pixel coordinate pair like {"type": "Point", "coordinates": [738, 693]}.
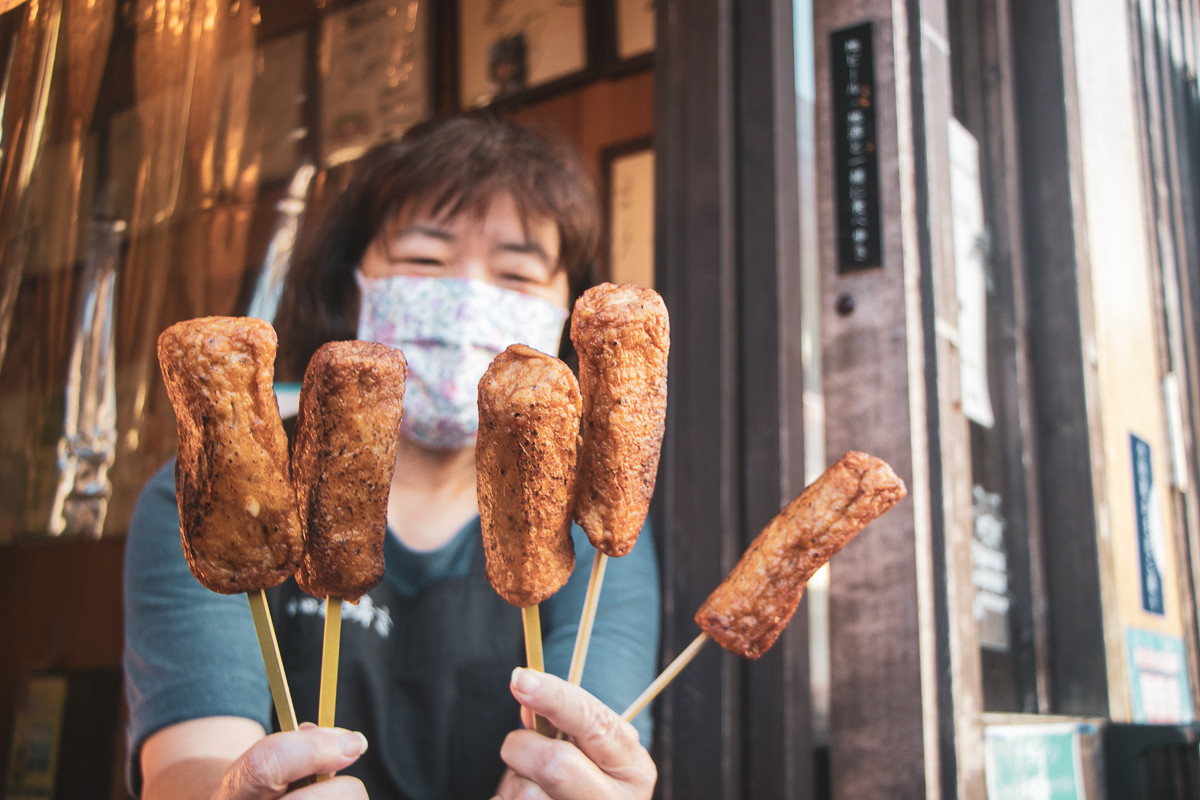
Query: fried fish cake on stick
{"type": "Point", "coordinates": [237, 510]}
{"type": "Point", "coordinates": [622, 334]}
{"type": "Point", "coordinates": [347, 430]}
{"type": "Point", "coordinates": [525, 455]}
{"type": "Point", "coordinates": [238, 521]}
{"type": "Point", "coordinates": [755, 602]}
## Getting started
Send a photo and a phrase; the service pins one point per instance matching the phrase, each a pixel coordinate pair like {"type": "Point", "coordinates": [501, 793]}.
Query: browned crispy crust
{"type": "Point", "coordinates": [525, 455]}
{"type": "Point", "coordinates": [756, 600]}
{"type": "Point", "coordinates": [347, 429]}
{"type": "Point", "coordinates": [622, 334]}
{"type": "Point", "coordinates": [237, 510]}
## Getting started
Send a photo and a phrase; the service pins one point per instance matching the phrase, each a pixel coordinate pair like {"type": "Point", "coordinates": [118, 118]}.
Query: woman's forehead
{"type": "Point", "coordinates": [453, 211]}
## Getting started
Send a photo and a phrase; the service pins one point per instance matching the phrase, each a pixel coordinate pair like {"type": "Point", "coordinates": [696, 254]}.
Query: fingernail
{"type": "Point", "coordinates": [352, 744]}
{"type": "Point", "coordinates": [526, 681]}
{"type": "Point", "coordinates": [306, 725]}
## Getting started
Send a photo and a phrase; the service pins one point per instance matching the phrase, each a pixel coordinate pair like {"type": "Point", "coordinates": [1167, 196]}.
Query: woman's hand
{"type": "Point", "coordinates": [286, 760]}
{"type": "Point", "coordinates": [229, 758]}
{"type": "Point", "coordinates": [601, 757]}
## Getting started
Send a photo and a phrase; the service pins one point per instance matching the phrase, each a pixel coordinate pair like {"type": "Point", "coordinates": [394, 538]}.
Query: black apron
{"type": "Point", "coordinates": [431, 696]}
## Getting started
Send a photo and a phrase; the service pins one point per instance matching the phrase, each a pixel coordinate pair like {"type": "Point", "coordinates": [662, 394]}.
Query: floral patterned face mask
{"type": "Point", "coordinates": [450, 329]}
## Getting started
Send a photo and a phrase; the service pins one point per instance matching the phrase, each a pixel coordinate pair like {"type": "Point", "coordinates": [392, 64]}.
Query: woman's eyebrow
{"type": "Point", "coordinates": [424, 230]}
{"type": "Point", "coordinates": [529, 247]}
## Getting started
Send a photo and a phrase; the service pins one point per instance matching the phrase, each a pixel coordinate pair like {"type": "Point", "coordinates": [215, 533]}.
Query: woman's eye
{"type": "Point", "coordinates": [421, 260]}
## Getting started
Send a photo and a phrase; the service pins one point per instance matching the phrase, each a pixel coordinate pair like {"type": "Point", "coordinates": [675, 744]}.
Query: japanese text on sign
{"type": "Point", "coordinates": [856, 168]}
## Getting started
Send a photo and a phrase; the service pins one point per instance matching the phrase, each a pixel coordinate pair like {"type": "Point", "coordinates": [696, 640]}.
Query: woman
{"type": "Point", "coordinates": [464, 237]}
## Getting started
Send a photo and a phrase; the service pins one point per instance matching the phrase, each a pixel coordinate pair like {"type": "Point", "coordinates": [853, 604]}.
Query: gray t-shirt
{"type": "Point", "coordinates": [192, 653]}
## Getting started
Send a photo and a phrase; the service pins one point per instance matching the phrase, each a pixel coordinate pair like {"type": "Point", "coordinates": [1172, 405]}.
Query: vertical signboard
{"type": "Point", "coordinates": [856, 170]}
{"type": "Point", "coordinates": [1149, 528]}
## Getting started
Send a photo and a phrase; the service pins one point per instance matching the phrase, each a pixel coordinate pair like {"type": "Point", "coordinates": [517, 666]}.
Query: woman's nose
{"type": "Point", "coordinates": [476, 268]}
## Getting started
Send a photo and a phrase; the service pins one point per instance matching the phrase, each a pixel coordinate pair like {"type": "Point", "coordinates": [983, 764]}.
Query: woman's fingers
{"type": "Point", "coordinates": [341, 787]}
{"type": "Point", "coordinates": [550, 768]}
{"type": "Point", "coordinates": [265, 771]}
{"type": "Point", "coordinates": [514, 787]}
{"type": "Point", "coordinates": [603, 757]}
{"type": "Point", "coordinates": [606, 739]}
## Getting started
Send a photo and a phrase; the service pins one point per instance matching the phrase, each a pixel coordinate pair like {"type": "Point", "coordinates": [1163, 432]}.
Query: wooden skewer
{"type": "Point", "coordinates": [329, 661]}
{"type": "Point", "coordinates": [272, 661]}
{"type": "Point", "coordinates": [329, 665]}
{"type": "Point", "coordinates": [587, 619]}
{"type": "Point", "coordinates": [668, 675]}
{"type": "Point", "coordinates": [533, 655]}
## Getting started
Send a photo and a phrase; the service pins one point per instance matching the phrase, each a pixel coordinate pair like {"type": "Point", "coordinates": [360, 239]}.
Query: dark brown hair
{"type": "Point", "coordinates": [452, 166]}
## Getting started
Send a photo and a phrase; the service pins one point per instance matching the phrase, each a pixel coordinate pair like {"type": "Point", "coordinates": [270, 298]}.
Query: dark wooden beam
{"type": "Point", "coordinates": [697, 746]}
{"type": "Point", "coordinates": [1059, 318]}
{"type": "Point", "coordinates": [777, 741]}
{"type": "Point", "coordinates": [727, 221]}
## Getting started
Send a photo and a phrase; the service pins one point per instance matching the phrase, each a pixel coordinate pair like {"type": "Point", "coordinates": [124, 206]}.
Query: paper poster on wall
{"type": "Point", "coordinates": [970, 271]}
{"type": "Point", "coordinates": [631, 217]}
{"type": "Point", "coordinates": [1158, 678]}
{"type": "Point", "coordinates": [512, 46]}
{"type": "Point", "coordinates": [989, 572]}
{"type": "Point", "coordinates": [635, 27]}
{"type": "Point", "coordinates": [1151, 545]}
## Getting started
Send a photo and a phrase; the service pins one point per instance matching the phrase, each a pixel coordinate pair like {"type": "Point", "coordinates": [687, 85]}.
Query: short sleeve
{"type": "Point", "coordinates": [189, 652]}
{"type": "Point", "coordinates": [622, 658]}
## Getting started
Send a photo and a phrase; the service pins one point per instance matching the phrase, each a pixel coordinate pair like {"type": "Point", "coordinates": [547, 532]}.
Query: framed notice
{"type": "Point", "coordinates": [65, 732]}
{"type": "Point", "coordinates": [510, 48]}
{"type": "Point", "coordinates": [279, 103]}
{"type": "Point", "coordinates": [631, 39]}
{"type": "Point", "coordinates": [629, 195]}
{"type": "Point", "coordinates": [37, 738]}
{"type": "Point", "coordinates": [1159, 689]}
{"type": "Point", "coordinates": [1042, 761]}
{"type": "Point", "coordinates": [856, 167]}
{"type": "Point", "coordinates": [376, 75]}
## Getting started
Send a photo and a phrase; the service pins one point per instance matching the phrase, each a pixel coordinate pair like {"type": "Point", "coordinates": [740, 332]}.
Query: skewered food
{"type": "Point", "coordinates": [237, 508]}
{"type": "Point", "coordinates": [525, 454]}
{"type": "Point", "coordinates": [347, 429]}
{"type": "Point", "coordinates": [755, 602]}
{"type": "Point", "coordinates": [622, 334]}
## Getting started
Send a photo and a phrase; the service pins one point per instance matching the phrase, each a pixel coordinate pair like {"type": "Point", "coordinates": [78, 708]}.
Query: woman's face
{"type": "Point", "coordinates": [500, 249]}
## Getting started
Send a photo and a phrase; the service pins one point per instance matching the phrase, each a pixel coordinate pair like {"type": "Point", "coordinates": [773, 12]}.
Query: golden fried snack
{"type": "Point", "coordinates": [525, 455]}
{"type": "Point", "coordinates": [622, 334]}
{"type": "Point", "coordinates": [237, 509]}
{"type": "Point", "coordinates": [756, 600]}
{"type": "Point", "coordinates": [347, 429]}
